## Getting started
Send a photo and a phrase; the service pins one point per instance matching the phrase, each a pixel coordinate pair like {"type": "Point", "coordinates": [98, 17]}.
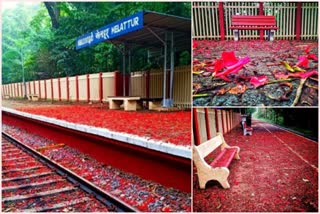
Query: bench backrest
{"type": "Point", "coordinates": [204, 149]}
{"type": "Point", "coordinates": [209, 146]}
{"type": "Point", "coordinates": [238, 20]}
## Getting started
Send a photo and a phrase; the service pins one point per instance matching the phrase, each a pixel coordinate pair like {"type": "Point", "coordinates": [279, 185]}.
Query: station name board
{"type": "Point", "coordinates": [110, 31]}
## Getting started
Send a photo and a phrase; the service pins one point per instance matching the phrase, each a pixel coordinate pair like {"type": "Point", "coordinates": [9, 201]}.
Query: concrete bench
{"type": "Point", "coordinates": [33, 97]}
{"type": "Point", "coordinates": [218, 168]}
{"type": "Point", "coordinates": [129, 103]}
{"type": "Point", "coordinates": [260, 22]}
{"type": "Point", "coordinates": [6, 96]}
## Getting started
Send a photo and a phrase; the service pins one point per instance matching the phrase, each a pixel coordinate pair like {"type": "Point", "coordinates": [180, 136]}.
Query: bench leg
{"type": "Point", "coordinates": [153, 105]}
{"type": "Point", "coordinates": [222, 175]}
{"type": "Point", "coordinates": [236, 35]}
{"type": "Point", "coordinates": [140, 105]}
{"type": "Point", "coordinates": [271, 35]}
{"type": "Point", "coordinates": [114, 104]}
{"type": "Point", "coordinates": [202, 183]}
{"type": "Point", "coordinates": [225, 184]}
{"type": "Point", "coordinates": [130, 105]}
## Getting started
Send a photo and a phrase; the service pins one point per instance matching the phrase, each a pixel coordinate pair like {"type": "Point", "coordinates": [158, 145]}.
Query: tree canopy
{"type": "Point", "coordinates": [39, 39]}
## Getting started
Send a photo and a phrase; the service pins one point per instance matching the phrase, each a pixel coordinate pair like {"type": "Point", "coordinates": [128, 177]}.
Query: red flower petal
{"type": "Point", "coordinates": [307, 50]}
{"type": "Point", "coordinates": [303, 61]}
{"type": "Point", "coordinates": [308, 74]}
{"type": "Point", "coordinates": [195, 44]}
{"type": "Point", "coordinates": [235, 68]}
{"type": "Point", "coordinates": [229, 58]}
{"type": "Point", "coordinates": [258, 81]}
{"type": "Point", "coordinates": [219, 65]}
{"type": "Point", "coordinates": [313, 57]}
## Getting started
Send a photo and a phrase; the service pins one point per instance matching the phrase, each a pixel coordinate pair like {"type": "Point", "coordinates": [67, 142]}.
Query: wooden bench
{"type": "Point", "coordinates": [33, 97]}
{"type": "Point", "coordinates": [218, 169]}
{"type": "Point", "coordinates": [129, 103]}
{"type": "Point", "coordinates": [239, 22]}
{"type": "Point", "coordinates": [152, 102]}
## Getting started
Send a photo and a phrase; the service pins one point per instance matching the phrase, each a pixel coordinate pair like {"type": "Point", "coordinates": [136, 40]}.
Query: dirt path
{"type": "Point", "coordinates": [278, 172]}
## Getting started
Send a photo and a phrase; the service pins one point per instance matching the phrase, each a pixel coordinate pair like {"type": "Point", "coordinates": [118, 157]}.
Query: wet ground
{"type": "Point", "coordinates": [277, 172]}
{"type": "Point", "coordinates": [265, 60]}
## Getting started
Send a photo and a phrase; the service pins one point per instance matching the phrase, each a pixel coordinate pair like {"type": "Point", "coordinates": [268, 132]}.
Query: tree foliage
{"type": "Point", "coordinates": [41, 38]}
{"type": "Point", "coordinates": [304, 120]}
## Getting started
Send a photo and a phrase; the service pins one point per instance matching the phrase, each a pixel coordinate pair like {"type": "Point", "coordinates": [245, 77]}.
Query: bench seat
{"type": "Point", "coordinates": [224, 158]}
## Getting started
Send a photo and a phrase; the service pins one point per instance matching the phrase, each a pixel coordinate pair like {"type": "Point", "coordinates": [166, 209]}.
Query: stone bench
{"type": "Point", "coordinates": [33, 97]}
{"type": "Point", "coordinates": [129, 103]}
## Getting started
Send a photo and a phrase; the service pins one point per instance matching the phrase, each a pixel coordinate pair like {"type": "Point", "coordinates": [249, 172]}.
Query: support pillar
{"type": "Point", "coordinates": [196, 128]}
{"type": "Point", "coordinates": [77, 88]}
{"type": "Point", "coordinates": [100, 87]}
{"type": "Point", "coordinates": [88, 87]}
{"type": "Point", "coordinates": [206, 114]}
{"type": "Point", "coordinates": [68, 92]}
{"type": "Point", "coordinates": [222, 120]}
{"type": "Point", "coordinates": [52, 94]}
{"type": "Point", "coordinates": [39, 86]}
{"type": "Point", "coordinates": [45, 89]}
{"type": "Point", "coordinates": [29, 83]}
{"type": "Point", "coordinates": [298, 20]}
{"type": "Point", "coordinates": [261, 14]}
{"type": "Point", "coordinates": [221, 21]}
{"type": "Point", "coordinates": [164, 101]}
{"type": "Point", "coordinates": [216, 119]}
{"type": "Point", "coordinates": [171, 68]}
{"type": "Point", "coordinates": [59, 89]}
{"type": "Point", "coordinates": [34, 87]}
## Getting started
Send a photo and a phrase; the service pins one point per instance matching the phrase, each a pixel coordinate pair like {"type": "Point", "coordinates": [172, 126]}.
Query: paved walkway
{"type": "Point", "coordinates": [278, 172]}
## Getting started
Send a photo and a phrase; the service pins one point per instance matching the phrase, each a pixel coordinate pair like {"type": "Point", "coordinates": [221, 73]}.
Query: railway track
{"type": "Point", "coordinates": [33, 183]}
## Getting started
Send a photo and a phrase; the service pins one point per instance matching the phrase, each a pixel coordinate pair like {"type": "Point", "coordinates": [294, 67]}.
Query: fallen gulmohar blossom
{"type": "Point", "coordinates": [313, 57]}
{"type": "Point", "coordinates": [303, 61]}
{"type": "Point", "coordinates": [229, 58]}
{"type": "Point", "coordinates": [258, 81]}
{"type": "Point", "coordinates": [234, 68]}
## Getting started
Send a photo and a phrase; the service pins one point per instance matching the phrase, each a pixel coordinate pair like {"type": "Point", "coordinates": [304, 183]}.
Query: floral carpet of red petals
{"type": "Point", "coordinates": [277, 172]}
{"type": "Point", "coordinates": [170, 127]}
{"type": "Point", "coordinates": [251, 73]}
{"type": "Point", "coordinates": [142, 194]}
{"type": "Point", "coordinates": [13, 159]}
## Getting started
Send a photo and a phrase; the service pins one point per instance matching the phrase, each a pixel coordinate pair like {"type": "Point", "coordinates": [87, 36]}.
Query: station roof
{"type": "Point", "coordinates": [131, 31]}
{"type": "Point", "coordinates": [159, 23]}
